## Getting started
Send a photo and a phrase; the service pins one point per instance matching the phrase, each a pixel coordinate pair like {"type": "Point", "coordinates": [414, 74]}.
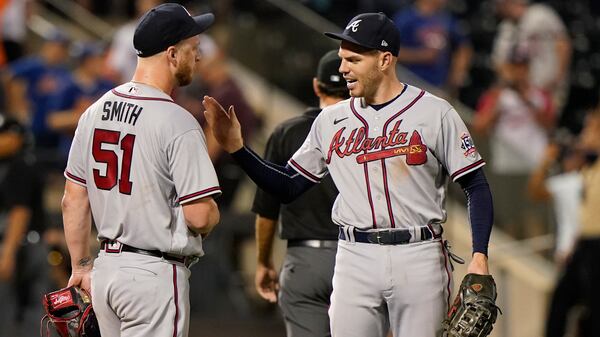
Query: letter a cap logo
{"type": "Point", "coordinates": [373, 31]}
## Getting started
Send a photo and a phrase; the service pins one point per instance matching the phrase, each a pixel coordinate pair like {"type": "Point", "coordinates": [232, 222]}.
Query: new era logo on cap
{"type": "Point", "coordinates": [376, 31]}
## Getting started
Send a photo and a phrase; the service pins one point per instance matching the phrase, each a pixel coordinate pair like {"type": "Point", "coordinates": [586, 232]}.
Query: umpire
{"type": "Point", "coordinates": [306, 223]}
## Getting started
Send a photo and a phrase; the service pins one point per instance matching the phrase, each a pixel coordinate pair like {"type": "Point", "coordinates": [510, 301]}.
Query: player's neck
{"type": "Point", "coordinates": [386, 91]}
{"type": "Point", "coordinates": [154, 76]}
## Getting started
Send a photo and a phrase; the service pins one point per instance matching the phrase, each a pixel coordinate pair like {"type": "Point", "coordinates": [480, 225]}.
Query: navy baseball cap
{"type": "Point", "coordinates": [371, 31]}
{"type": "Point", "coordinates": [328, 70]}
{"type": "Point", "coordinates": [166, 25]}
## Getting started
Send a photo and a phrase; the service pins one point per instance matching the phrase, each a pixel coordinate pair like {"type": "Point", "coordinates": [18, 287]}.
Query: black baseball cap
{"type": "Point", "coordinates": [371, 31]}
{"type": "Point", "coordinates": [166, 25]}
{"type": "Point", "coordinates": [328, 70]}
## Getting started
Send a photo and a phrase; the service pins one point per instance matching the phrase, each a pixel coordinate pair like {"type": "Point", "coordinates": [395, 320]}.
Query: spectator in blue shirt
{"type": "Point", "coordinates": [87, 84]}
{"type": "Point", "coordinates": [32, 82]}
{"type": "Point", "coordinates": [432, 44]}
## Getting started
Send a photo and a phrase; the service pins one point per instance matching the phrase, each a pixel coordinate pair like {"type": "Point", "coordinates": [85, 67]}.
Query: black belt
{"type": "Point", "coordinates": [312, 243]}
{"type": "Point", "coordinates": [390, 236]}
{"type": "Point", "coordinates": [121, 247]}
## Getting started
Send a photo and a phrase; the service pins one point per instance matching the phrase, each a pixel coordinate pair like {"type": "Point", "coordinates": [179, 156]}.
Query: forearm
{"type": "Point", "coordinates": [283, 182]}
{"type": "Point", "coordinates": [77, 222]}
{"type": "Point", "coordinates": [563, 50]}
{"type": "Point", "coordinates": [265, 232]}
{"type": "Point", "coordinates": [460, 65]}
{"type": "Point", "coordinates": [63, 121]}
{"type": "Point", "coordinates": [480, 208]}
{"type": "Point", "coordinates": [18, 222]}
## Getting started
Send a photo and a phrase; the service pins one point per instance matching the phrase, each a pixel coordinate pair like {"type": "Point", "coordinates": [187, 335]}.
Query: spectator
{"type": "Point", "coordinates": [122, 58]}
{"type": "Point", "coordinates": [31, 83]}
{"type": "Point", "coordinates": [86, 86]}
{"type": "Point", "coordinates": [14, 27]}
{"type": "Point", "coordinates": [538, 28]}
{"type": "Point", "coordinates": [579, 281]}
{"type": "Point", "coordinates": [23, 267]}
{"type": "Point", "coordinates": [564, 188]}
{"type": "Point", "coordinates": [433, 45]}
{"type": "Point", "coordinates": [518, 116]}
{"type": "Point", "coordinates": [215, 76]}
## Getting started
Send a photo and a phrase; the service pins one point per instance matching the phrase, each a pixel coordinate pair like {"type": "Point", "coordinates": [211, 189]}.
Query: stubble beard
{"type": "Point", "coordinates": [183, 75]}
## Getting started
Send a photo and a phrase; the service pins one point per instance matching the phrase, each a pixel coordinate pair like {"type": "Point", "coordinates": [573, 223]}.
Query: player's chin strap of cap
{"type": "Point", "coordinates": [392, 236]}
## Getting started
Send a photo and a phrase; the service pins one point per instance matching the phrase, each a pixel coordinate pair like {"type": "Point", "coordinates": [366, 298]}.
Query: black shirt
{"type": "Point", "coordinates": [20, 184]}
{"type": "Point", "coordinates": [309, 216]}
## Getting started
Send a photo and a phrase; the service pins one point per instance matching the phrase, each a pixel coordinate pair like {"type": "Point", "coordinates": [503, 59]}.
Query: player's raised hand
{"type": "Point", "coordinates": [224, 124]}
{"type": "Point", "coordinates": [266, 282]}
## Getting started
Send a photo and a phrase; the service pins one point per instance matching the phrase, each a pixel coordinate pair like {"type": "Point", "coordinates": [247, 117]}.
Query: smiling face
{"type": "Point", "coordinates": [360, 69]}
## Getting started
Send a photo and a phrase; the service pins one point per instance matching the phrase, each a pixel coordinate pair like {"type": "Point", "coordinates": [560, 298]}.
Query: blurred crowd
{"type": "Point", "coordinates": [541, 148]}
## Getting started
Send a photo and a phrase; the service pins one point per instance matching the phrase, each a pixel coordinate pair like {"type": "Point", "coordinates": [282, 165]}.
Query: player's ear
{"type": "Point", "coordinates": [172, 54]}
{"type": "Point", "coordinates": [385, 60]}
{"type": "Point", "coordinates": [316, 87]}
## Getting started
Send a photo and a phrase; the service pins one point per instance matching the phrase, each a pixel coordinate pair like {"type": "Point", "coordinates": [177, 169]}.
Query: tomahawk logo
{"type": "Point", "coordinates": [354, 25]}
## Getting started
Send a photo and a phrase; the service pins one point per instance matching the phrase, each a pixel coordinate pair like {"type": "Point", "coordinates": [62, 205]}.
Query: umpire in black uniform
{"type": "Point", "coordinates": [306, 223]}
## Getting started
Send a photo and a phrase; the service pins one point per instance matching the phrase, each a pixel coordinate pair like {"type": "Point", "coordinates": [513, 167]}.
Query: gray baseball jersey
{"type": "Point", "coordinates": [391, 165]}
{"type": "Point", "coordinates": [141, 156]}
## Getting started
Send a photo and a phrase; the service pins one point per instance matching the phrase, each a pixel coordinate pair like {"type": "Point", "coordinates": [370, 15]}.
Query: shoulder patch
{"type": "Point", "coordinates": [467, 144]}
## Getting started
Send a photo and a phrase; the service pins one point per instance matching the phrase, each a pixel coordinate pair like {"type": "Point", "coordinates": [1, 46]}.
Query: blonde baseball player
{"type": "Point", "coordinates": [390, 150]}
{"type": "Point", "coordinates": [139, 167]}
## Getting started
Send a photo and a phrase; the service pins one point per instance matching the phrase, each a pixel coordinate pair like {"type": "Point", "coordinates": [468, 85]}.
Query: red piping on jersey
{"type": "Point", "coordinates": [365, 164]}
{"type": "Point", "coordinates": [176, 300]}
{"type": "Point", "coordinates": [383, 168]}
{"type": "Point", "coordinates": [75, 177]}
{"type": "Point", "coordinates": [303, 171]}
{"type": "Point", "coordinates": [142, 98]}
{"type": "Point", "coordinates": [195, 194]}
{"type": "Point", "coordinates": [467, 168]}
{"type": "Point", "coordinates": [447, 274]}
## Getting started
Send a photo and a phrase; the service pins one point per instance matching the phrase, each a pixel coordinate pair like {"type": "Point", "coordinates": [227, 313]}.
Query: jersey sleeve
{"type": "Point", "coordinates": [76, 168]}
{"type": "Point", "coordinates": [266, 204]}
{"type": "Point", "coordinates": [191, 168]}
{"type": "Point", "coordinates": [309, 160]}
{"type": "Point", "coordinates": [455, 147]}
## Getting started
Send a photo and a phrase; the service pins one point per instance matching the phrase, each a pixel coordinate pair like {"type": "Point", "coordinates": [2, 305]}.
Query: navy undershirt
{"type": "Point", "coordinates": [287, 184]}
{"type": "Point", "coordinates": [383, 105]}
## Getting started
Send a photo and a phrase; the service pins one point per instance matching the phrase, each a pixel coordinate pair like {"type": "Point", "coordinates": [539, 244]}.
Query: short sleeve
{"type": "Point", "coordinates": [76, 168]}
{"type": "Point", "coordinates": [455, 147]}
{"type": "Point", "coordinates": [265, 204]}
{"type": "Point", "coordinates": [309, 160]}
{"type": "Point", "coordinates": [191, 168]}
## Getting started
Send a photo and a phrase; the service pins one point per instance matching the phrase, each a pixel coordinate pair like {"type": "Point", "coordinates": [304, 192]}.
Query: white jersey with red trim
{"type": "Point", "coordinates": [141, 156]}
{"type": "Point", "coordinates": [391, 166]}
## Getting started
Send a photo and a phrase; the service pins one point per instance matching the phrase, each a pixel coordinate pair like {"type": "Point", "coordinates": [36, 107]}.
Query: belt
{"type": "Point", "coordinates": [312, 243]}
{"type": "Point", "coordinates": [110, 246]}
{"type": "Point", "coordinates": [391, 236]}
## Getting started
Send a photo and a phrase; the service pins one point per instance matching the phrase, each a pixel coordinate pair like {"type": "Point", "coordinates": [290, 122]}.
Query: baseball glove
{"type": "Point", "coordinates": [69, 311]}
{"type": "Point", "coordinates": [474, 310]}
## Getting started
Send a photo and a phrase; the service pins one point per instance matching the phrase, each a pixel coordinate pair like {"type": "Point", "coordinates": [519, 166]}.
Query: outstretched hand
{"type": "Point", "coordinates": [224, 125]}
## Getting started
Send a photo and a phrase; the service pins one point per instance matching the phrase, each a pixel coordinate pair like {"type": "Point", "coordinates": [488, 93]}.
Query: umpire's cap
{"type": "Point", "coordinates": [166, 25]}
{"type": "Point", "coordinates": [328, 70]}
{"type": "Point", "coordinates": [371, 31]}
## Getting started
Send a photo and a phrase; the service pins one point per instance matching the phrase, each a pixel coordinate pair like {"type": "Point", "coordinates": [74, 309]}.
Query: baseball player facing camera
{"type": "Point", "coordinates": [390, 149]}
{"type": "Point", "coordinates": [139, 166]}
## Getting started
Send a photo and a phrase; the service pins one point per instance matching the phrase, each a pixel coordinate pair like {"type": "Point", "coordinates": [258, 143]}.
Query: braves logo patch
{"type": "Point", "coordinates": [467, 144]}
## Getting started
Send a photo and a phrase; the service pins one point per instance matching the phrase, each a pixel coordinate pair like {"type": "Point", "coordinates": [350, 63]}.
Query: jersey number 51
{"type": "Point", "coordinates": [110, 158]}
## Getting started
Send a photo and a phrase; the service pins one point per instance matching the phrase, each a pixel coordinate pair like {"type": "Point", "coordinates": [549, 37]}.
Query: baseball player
{"type": "Point", "coordinates": [390, 150]}
{"type": "Point", "coordinates": [139, 167]}
{"type": "Point", "coordinates": [304, 296]}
